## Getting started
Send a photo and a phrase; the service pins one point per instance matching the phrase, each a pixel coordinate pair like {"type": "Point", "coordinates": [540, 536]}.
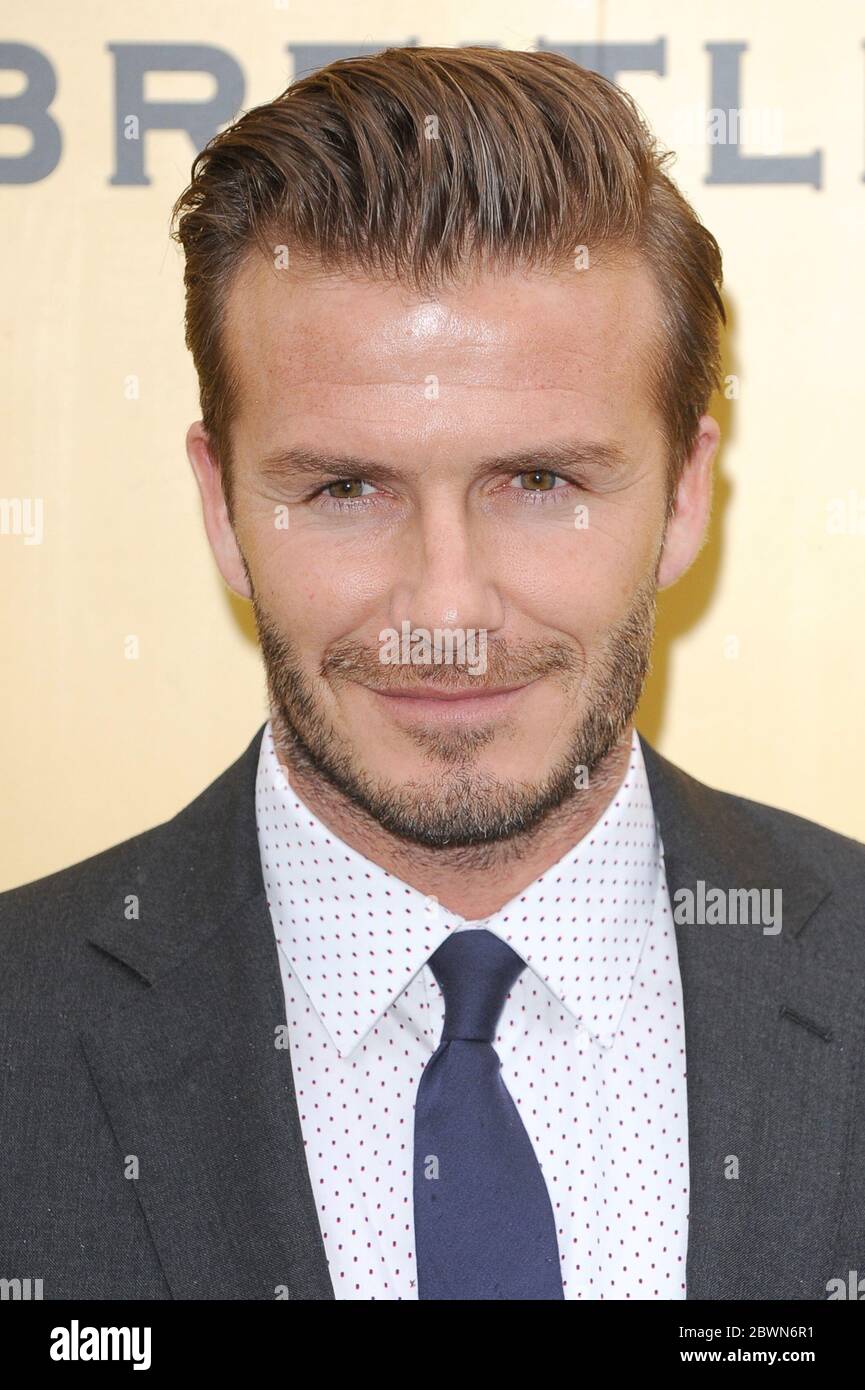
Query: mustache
{"type": "Point", "coordinates": [507, 664]}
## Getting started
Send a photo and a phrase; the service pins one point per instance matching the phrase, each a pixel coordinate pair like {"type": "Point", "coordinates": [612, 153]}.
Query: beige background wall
{"type": "Point", "coordinates": [760, 669]}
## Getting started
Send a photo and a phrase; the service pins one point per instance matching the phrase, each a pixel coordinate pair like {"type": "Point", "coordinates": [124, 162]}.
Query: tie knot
{"type": "Point", "coordinates": [475, 969]}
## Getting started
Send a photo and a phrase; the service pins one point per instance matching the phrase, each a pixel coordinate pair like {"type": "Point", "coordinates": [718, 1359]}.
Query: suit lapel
{"type": "Point", "coordinates": [771, 1023]}
{"type": "Point", "coordinates": [194, 1071]}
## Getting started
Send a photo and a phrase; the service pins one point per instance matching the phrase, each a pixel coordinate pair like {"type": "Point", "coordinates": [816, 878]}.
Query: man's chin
{"type": "Point", "coordinates": [459, 806]}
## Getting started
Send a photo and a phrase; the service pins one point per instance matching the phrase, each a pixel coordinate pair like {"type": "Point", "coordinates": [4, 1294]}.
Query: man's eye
{"type": "Point", "coordinates": [541, 480]}
{"type": "Point", "coordinates": [347, 488]}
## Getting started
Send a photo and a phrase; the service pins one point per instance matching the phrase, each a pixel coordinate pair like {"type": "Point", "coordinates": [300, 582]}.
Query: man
{"type": "Point", "coordinates": [451, 987]}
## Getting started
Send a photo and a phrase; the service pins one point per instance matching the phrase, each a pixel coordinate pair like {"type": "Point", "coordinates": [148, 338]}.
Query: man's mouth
{"type": "Point", "coordinates": [467, 704]}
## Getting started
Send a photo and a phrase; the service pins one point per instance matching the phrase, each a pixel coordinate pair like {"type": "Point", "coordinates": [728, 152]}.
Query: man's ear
{"type": "Point", "coordinates": [220, 531]}
{"type": "Point", "coordinates": [689, 519]}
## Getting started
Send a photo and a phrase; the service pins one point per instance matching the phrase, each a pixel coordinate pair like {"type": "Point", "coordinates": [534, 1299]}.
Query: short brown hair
{"type": "Point", "coordinates": [416, 164]}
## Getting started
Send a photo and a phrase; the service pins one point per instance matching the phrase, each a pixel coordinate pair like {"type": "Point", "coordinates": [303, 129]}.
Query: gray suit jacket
{"type": "Point", "coordinates": [151, 1144]}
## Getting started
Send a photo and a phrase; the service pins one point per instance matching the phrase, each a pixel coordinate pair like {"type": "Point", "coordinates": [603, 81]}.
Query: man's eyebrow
{"type": "Point", "coordinates": [309, 463]}
{"type": "Point", "coordinates": [301, 462]}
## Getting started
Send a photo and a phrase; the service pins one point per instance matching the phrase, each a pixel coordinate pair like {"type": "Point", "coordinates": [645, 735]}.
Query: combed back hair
{"type": "Point", "coordinates": [425, 166]}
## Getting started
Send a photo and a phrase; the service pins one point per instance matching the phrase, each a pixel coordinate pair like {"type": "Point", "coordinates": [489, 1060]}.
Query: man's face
{"type": "Point", "coordinates": [488, 464]}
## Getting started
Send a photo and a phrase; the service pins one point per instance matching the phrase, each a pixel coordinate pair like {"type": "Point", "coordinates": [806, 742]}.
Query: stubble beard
{"type": "Point", "coordinates": [461, 805]}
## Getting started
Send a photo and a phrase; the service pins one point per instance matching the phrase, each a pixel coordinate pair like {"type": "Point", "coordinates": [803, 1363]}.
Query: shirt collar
{"type": "Point", "coordinates": [355, 935]}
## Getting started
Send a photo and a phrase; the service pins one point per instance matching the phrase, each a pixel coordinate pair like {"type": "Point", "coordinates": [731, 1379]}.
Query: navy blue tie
{"type": "Point", "coordinates": [484, 1226]}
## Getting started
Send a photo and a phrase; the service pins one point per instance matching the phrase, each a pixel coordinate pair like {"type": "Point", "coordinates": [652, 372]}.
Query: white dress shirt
{"type": "Point", "coordinates": [591, 1042]}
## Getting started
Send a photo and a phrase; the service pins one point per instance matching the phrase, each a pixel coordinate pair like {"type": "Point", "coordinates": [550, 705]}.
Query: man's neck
{"type": "Point", "coordinates": [476, 881]}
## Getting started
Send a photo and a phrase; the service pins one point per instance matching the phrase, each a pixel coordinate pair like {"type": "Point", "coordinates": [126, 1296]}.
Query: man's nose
{"type": "Point", "coordinates": [448, 574]}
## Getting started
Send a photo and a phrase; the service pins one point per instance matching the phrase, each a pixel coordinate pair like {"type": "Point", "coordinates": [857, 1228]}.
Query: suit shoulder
{"type": "Point", "coordinates": [162, 861]}
{"type": "Point", "coordinates": [49, 906]}
{"type": "Point", "coordinates": [830, 850]}
{"type": "Point", "coordinates": [725, 817]}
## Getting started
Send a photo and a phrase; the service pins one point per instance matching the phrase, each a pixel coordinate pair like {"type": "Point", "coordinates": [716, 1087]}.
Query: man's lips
{"type": "Point", "coordinates": [468, 693]}
{"type": "Point", "coordinates": [462, 706]}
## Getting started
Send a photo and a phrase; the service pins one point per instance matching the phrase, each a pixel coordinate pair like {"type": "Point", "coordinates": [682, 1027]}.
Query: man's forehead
{"type": "Point", "coordinates": [300, 322]}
